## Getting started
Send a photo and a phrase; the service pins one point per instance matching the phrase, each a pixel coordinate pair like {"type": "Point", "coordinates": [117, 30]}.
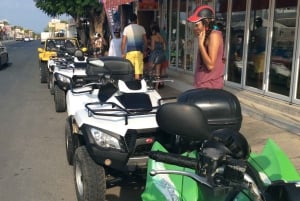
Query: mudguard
{"type": "Point", "coordinates": [169, 187]}
{"type": "Point", "coordinates": [274, 163]}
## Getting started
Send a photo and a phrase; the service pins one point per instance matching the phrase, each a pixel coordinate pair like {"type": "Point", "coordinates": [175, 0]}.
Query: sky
{"type": "Point", "coordinates": [24, 13]}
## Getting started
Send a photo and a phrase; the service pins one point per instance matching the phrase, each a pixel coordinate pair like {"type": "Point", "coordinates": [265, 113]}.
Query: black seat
{"type": "Point", "coordinates": [119, 68]}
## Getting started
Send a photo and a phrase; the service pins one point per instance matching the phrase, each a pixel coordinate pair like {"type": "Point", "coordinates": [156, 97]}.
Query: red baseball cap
{"type": "Point", "coordinates": [201, 12]}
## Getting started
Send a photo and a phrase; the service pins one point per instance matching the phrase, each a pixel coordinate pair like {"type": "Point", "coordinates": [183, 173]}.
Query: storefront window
{"type": "Point", "coordinates": [173, 32]}
{"type": "Point", "coordinates": [298, 85]}
{"type": "Point", "coordinates": [188, 48]}
{"type": "Point", "coordinates": [284, 26]}
{"type": "Point", "coordinates": [164, 23]}
{"type": "Point", "coordinates": [181, 41]}
{"type": "Point", "coordinates": [236, 60]}
{"type": "Point", "coordinates": [190, 38]}
{"type": "Point", "coordinates": [259, 18]}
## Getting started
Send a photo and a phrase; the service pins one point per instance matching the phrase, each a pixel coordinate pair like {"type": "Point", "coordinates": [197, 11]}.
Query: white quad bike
{"type": "Point", "coordinates": [67, 65]}
{"type": "Point", "coordinates": [111, 125]}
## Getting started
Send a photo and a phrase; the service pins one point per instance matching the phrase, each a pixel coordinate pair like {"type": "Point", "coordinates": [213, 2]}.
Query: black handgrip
{"type": "Point", "coordinates": [174, 159]}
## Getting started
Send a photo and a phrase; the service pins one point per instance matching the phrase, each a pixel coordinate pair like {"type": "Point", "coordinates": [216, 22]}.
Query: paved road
{"type": "Point", "coordinates": [33, 164]}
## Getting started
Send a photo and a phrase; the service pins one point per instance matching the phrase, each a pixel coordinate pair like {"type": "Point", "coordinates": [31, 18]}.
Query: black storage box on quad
{"type": "Point", "coordinates": [221, 108]}
{"type": "Point", "coordinates": [118, 67]}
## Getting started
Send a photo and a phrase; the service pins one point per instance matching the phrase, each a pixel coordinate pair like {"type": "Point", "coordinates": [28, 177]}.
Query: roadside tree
{"type": "Point", "coordinates": [89, 15]}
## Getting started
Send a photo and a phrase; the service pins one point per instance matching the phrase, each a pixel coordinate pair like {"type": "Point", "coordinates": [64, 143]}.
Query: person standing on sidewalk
{"type": "Point", "coordinates": [210, 64]}
{"type": "Point", "coordinates": [158, 48]}
{"type": "Point", "coordinates": [99, 44]}
{"type": "Point", "coordinates": [115, 44]}
{"type": "Point", "coordinates": [134, 44]}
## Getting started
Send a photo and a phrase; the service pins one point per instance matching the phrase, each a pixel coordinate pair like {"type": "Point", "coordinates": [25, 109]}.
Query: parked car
{"type": "Point", "coordinates": [3, 55]}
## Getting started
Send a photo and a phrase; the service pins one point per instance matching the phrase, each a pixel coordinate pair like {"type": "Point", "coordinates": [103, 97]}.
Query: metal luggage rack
{"type": "Point", "coordinates": [117, 110]}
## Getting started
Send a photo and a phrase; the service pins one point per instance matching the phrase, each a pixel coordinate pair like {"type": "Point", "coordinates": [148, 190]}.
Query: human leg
{"type": "Point", "coordinates": [157, 74]}
{"type": "Point", "coordinates": [136, 58]}
{"type": "Point", "coordinates": [139, 65]}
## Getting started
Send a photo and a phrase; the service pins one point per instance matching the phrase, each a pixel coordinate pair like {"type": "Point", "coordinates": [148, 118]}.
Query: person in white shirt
{"type": "Point", "coordinates": [115, 44]}
{"type": "Point", "coordinates": [134, 45]}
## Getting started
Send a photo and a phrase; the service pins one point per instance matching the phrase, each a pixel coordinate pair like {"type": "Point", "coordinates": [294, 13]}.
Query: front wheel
{"type": "Point", "coordinates": [59, 99]}
{"type": "Point", "coordinates": [43, 72]}
{"type": "Point", "coordinates": [89, 177]}
{"type": "Point", "coordinates": [51, 83]}
{"type": "Point", "coordinates": [72, 141]}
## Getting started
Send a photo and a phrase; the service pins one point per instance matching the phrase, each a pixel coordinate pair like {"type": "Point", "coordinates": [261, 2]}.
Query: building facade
{"type": "Point", "coordinates": [268, 66]}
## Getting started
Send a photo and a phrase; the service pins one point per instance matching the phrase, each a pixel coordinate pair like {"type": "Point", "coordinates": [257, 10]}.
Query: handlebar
{"type": "Point", "coordinates": [92, 84]}
{"type": "Point", "coordinates": [174, 159]}
{"type": "Point", "coordinates": [243, 180]}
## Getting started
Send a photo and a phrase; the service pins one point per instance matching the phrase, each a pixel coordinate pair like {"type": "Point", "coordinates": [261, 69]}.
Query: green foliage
{"type": "Point", "coordinates": [4, 22]}
{"type": "Point", "coordinates": [77, 8]}
{"type": "Point", "coordinates": [91, 10]}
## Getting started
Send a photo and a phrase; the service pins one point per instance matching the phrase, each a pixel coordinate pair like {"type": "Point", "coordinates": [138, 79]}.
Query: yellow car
{"type": "Point", "coordinates": [52, 48]}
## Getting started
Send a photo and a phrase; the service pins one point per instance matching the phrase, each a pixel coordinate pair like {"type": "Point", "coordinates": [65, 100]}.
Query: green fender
{"type": "Point", "coordinates": [169, 187]}
{"type": "Point", "coordinates": [274, 163]}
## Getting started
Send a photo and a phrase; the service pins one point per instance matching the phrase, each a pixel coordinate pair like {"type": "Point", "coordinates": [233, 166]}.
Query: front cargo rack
{"type": "Point", "coordinates": [115, 110]}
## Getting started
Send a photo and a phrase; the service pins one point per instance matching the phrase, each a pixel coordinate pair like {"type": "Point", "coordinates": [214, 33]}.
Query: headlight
{"type": "Point", "coordinates": [105, 140]}
{"type": "Point", "coordinates": [61, 78]}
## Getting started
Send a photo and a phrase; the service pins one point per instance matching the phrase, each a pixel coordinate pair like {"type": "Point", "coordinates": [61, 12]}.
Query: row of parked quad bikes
{"type": "Point", "coordinates": [187, 147]}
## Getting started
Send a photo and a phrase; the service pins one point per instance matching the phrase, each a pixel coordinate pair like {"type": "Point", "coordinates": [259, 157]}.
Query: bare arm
{"type": "Point", "coordinates": [152, 43]}
{"type": "Point", "coordinates": [209, 54]}
{"type": "Point", "coordinates": [123, 45]}
{"type": "Point", "coordinates": [145, 42]}
{"type": "Point", "coordinates": [162, 40]}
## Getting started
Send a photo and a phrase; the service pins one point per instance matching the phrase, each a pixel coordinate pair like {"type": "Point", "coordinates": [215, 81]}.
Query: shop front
{"type": "Point", "coordinates": [267, 63]}
{"type": "Point", "coordinates": [262, 41]}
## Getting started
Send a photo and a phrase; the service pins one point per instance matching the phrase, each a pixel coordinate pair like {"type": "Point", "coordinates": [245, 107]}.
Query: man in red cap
{"type": "Point", "coordinates": [210, 65]}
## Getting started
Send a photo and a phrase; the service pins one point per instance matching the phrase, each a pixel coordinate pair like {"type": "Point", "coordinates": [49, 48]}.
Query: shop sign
{"type": "Point", "coordinates": [148, 4]}
{"type": "Point", "coordinates": [110, 4]}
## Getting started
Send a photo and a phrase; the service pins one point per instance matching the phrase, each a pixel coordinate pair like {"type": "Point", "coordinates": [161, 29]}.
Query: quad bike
{"type": "Point", "coordinates": [110, 127]}
{"type": "Point", "coordinates": [68, 65]}
{"type": "Point", "coordinates": [52, 48]}
{"type": "Point", "coordinates": [210, 163]}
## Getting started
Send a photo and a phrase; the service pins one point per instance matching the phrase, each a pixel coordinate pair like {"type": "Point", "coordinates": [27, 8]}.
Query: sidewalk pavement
{"type": "Point", "coordinates": [255, 127]}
